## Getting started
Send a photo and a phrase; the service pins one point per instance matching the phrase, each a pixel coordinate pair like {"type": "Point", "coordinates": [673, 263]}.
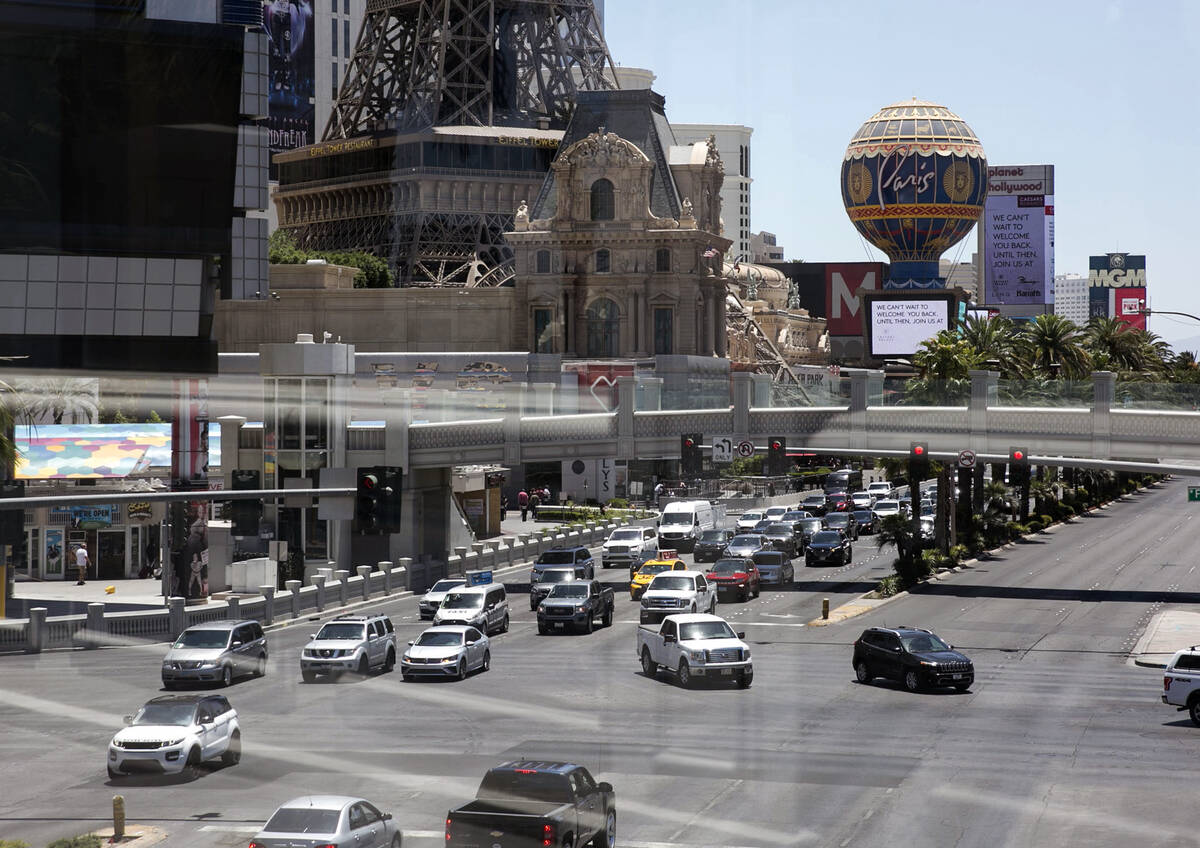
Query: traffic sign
{"type": "Point", "coordinates": [745, 448]}
{"type": "Point", "coordinates": [1194, 493]}
{"type": "Point", "coordinates": [966, 459]}
{"type": "Point", "coordinates": [722, 449]}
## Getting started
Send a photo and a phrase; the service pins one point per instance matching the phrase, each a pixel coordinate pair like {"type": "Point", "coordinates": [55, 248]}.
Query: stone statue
{"type": "Point", "coordinates": [793, 301]}
{"type": "Point", "coordinates": [688, 212]}
{"type": "Point", "coordinates": [522, 217]}
{"type": "Point", "coordinates": [752, 289]}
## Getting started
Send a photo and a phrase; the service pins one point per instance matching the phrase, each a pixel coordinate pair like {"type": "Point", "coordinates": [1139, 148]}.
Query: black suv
{"type": "Point", "coordinates": [913, 656]}
{"type": "Point", "coordinates": [844, 521]}
{"type": "Point", "coordinates": [711, 545]}
{"type": "Point", "coordinates": [828, 546]}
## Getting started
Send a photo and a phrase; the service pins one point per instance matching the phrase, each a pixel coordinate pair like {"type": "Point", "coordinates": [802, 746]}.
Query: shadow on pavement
{"type": "Point", "coordinates": [961, 590]}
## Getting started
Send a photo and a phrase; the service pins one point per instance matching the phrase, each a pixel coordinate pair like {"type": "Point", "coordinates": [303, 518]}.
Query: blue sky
{"type": "Point", "coordinates": [1108, 93]}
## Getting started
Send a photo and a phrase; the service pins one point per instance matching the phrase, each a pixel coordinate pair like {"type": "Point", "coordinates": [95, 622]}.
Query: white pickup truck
{"type": "Point", "coordinates": [695, 645]}
{"type": "Point", "coordinates": [674, 592]}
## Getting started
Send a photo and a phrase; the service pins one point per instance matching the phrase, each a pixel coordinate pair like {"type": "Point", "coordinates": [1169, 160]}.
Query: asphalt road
{"type": "Point", "coordinates": [1060, 742]}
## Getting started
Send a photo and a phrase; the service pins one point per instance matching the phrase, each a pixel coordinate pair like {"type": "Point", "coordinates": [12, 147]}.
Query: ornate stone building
{"type": "Point", "coordinates": [612, 261]}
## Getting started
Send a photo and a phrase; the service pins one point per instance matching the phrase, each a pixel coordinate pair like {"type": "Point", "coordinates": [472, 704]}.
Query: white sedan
{"type": "Point", "coordinates": [448, 650]}
{"type": "Point", "coordinates": [747, 521]}
{"type": "Point", "coordinates": [332, 821]}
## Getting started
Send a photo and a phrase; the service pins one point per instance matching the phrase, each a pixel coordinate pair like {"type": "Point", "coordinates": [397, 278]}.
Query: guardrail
{"type": "Point", "coordinates": [98, 628]}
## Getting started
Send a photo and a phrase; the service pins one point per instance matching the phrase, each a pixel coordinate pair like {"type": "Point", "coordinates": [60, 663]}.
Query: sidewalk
{"type": "Point", "coordinates": [1167, 632]}
{"type": "Point", "coordinates": [63, 597]}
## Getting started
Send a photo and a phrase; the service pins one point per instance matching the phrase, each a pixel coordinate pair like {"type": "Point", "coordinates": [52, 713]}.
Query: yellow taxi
{"type": "Point", "coordinates": [666, 561]}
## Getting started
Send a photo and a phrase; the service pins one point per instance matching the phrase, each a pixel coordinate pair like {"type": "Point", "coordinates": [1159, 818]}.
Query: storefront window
{"type": "Point", "coordinates": [543, 331]}
{"type": "Point", "coordinates": [664, 331]}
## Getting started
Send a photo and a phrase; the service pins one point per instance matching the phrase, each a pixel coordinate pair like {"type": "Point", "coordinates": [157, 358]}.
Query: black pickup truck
{"type": "Point", "coordinates": [535, 804]}
{"type": "Point", "coordinates": [577, 604]}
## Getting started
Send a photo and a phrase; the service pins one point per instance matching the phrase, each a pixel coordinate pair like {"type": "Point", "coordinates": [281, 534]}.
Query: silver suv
{"type": "Point", "coordinates": [215, 652]}
{"type": "Point", "coordinates": [355, 643]}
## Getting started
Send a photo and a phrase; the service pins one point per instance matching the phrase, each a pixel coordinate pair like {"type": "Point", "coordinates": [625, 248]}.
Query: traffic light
{"type": "Point", "coordinates": [389, 499]}
{"type": "Point", "coordinates": [368, 501]}
{"type": "Point", "coordinates": [918, 462]}
{"type": "Point", "coordinates": [1018, 466]}
{"type": "Point", "coordinates": [12, 521]}
{"type": "Point", "coordinates": [690, 460]}
{"type": "Point", "coordinates": [246, 512]}
{"type": "Point", "coordinates": [777, 461]}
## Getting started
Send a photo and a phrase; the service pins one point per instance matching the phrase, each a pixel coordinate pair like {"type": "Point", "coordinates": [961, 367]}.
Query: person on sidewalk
{"type": "Point", "coordinates": [81, 563]}
{"type": "Point", "coordinates": [534, 500]}
{"type": "Point", "coordinates": [523, 503]}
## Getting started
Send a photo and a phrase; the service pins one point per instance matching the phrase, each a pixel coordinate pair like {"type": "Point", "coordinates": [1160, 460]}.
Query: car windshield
{"type": "Point", "coordinates": [446, 585]}
{"type": "Point", "coordinates": [713, 536]}
{"type": "Point", "coordinates": [751, 516]}
{"type": "Point", "coordinates": [341, 630]}
{"type": "Point", "coordinates": [180, 715]}
{"type": "Point", "coordinates": [625, 535]}
{"type": "Point", "coordinates": [882, 506]}
{"type": "Point", "coordinates": [861, 515]}
{"type": "Point", "coordinates": [695, 631]}
{"type": "Point", "coordinates": [761, 527]}
{"type": "Point", "coordinates": [744, 541]}
{"type": "Point", "coordinates": [917, 643]}
{"type": "Point", "coordinates": [838, 519]}
{"type": "Point", "coordinates": [463, 600]}
{"type": "Point", "coordinates": [557, 558]}
{"type": "Point", "coordinates": [672, 582]}
{"type": "Point", "coordinates": [794, 515]}
{"type": "Point", "coordinates": [202, 639]}
{"type": "Point", "coordinates": [303, 820]}
{"type": "Point", "coordinates": [779, 530]}
{"type": "Point", "coordinates": [570, 590]}
{"type": "Point", "coordinates": [439, 639]}
{"type": "Point", "coordinates": [728, 566]}
{"type": "Point", "coordinates": [557, 575]}
{"type": "Point", "coordinates": [826, 537]}
{"type": "Point", "coordinates": [811, 525]}
{"type": "Point", "coordinates": [768, 558]}
{"type": "Point", "coordinates": [815, 500]}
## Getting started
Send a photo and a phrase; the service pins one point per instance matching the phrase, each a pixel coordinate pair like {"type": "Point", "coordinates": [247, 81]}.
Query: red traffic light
{"type": "Point", "coordinates": [775, 445]}
{"type": "Point", "coordinates": [1016, 455]}
{"type": "Point", "coordinates": [689, 443]}
{"type": "Point", "coordinates": [369, 481]}
{"type": "Point", "coordinates": [918, 450]}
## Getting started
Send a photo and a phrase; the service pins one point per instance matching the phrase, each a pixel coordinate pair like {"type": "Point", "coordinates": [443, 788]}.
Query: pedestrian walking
{"type": "Point", "coordinates": [523, 504]}
{"type": "Point", "coordinates": [659, 488]}
{"type": "Point", "coordinates": [81, 564]}
{"type": "Point", "coordinates": [534, 500]}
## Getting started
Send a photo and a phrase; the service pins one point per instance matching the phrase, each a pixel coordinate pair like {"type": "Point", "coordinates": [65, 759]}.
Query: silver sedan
{"type": "Point", "coordinates": [335, 820]}
{"type": "Point", "coordinates": [448, 650]}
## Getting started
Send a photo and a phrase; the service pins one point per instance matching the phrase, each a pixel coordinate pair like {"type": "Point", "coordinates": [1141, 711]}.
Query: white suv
{"type": "Point", "coordinates": [881, 490]}
{"type": "Point", "coordinates": [625, 543]}
{"type": "Point", "coordinates": [350, 643]}
{"type": "Point", "coordinates": [1181, 682]}
{"type": "Point", "coordinates": [175, 734]}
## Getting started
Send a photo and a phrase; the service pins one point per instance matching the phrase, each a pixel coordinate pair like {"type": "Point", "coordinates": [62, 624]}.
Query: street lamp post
{"type": "Point", "coordinates": [1145, 310]}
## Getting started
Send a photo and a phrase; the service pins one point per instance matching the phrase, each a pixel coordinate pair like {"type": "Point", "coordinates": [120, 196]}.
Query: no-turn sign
{"type": "Point", "coordinates": [966, 459]}
{"type": "Point", "coordinates": [745, 449]}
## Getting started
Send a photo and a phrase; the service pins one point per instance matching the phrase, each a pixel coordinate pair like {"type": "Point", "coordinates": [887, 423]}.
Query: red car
{"type": "Point", "coordinates": [735, 575]}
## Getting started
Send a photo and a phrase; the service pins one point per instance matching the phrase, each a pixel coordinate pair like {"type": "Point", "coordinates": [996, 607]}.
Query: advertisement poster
{"type": "Point", "coordinates": [844, 282]}
{"type": "Point", "coordinates": [54, 551]}
{"type": "Point", "coordinates": [289, 25]}
{"type": "Point", "coordinates": [899, 326]}
{"type": "Point", "coordinates": [1127, 305]}
{"type": "Point", "coordinates": [191, 563]}
{"type": "Point", "coordinates": [1018, 256]}
{"type": "Point", "coordinates": [1115, 280]}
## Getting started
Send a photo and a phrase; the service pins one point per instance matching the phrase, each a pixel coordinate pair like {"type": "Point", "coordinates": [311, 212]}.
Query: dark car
{"type": "Point", "coordinates": [774, 569]}
{"type": "Point", "coordinates": [808, 526]}
{"type": "Point", "coordinates": [783, 537]}
{"type": "Point", "coordinates": [711, 545]}
{"type": "Point", "coordinates": [866, 521]}
{"type": "Point", "coordinates": [913, 656]}
{"type": "Point", "coordinates": [738, 576]}
{"type": "Point", "coordinates": [828, 547]}
{"type": "Point", "coordinates": [814, 504]}
{"type": "Point", "coordinates": [761, 527]}
{"type": "Point", "coordinates": [838, 502]}
{"type": "Point", "coordinates": [745, 545]}
{"type": "Point", "coordinates": [844, 521]}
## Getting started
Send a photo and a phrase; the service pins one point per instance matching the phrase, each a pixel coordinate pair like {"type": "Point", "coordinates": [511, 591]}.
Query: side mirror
{"type": "Point", "coordinates": [741, 634]}
{"type": "Point", "coordinates": [668, 639]}
{"type": "Point", "coordinates": [128, 720]}
{"type": "Point", "coordinates": [411, 642]}
{"type": "Point", "coordinates": [206, 721]}
{"type": "Point", "coordinates": [312, 636]}
{"type": "Point", "coordinates": [237, 643]}
{"type": "Point", "coordinates": [605, 786]}
{"type": "Point", "coordinates": [387, 816]}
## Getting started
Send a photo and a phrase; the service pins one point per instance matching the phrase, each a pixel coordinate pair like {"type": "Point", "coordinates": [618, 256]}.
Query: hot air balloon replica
{"type": "Point", "coordinates": [914, 179]}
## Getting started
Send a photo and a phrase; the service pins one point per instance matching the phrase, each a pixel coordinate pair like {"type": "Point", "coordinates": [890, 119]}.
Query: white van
{"type": "Point", "coordinates": [682, 522]}
{"type": "Point", "coordinates": [483, 607]}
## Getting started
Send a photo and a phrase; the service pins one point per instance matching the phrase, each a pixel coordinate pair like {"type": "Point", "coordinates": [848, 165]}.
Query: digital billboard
{"type": "Point", "coordinates": [289, 28]}
{"type": "Point", "coordinates": [1113, 274]}
{"type": "Point", "coordinates": [896, 326]}
{"type": "Point", "coordinates": [1018, 235]}
{"type": "Point", "coordinates": [1126, 304]}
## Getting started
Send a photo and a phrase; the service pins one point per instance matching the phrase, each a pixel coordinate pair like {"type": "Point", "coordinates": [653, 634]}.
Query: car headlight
{"type": "Point", "coordinates": [928, 664]}
{"type": "Point", "coordinates": [580, 608]}
{"type": "Point", "coordinates": [696, 656]}
{"type": "Point", "coordinates": [448, 659]}
{"type": "Point", "coordinates": [645, 601]}
{"type": "Point", "coordinates": [406, 657]}
{"type": "Point", "coordinates": [209, 665]}
{"type": "Point", "coordinates": [745, 653]}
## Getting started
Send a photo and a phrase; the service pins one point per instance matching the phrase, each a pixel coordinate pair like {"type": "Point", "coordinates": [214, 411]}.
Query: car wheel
{"type": "Point", "coordinates": [504, 624]}
{"type": "Point", "coordinates": [113, 774]}
{"type": "Point", "coordinates": [649, 666]}
{"type": "Point", "coordinates": [405, 676]}
{"type": "Point", "coordinates": [861, 673]}
{"type": "Point", "coordinates": [963, 687]}
{"type": "Point", "coordinates": [588, 625]}
{"type": "Point", "coordinates": [309, 676]}
{"type": "Point", "coordinates": [607, 838]}
{"type": "Point", "coordinates": [744, 595]}
{"type": "Point", "coordinates": [227, 676]}
{"type": "Point", "coordinates": [807, 562]}
{"type": "Point", "coordinates": [757, 589]}
{"type": "Point", "coordinates": [543, 629]}
{"type": "Point", "coordinates": [712, 607]}
{"type": "Point", "coordinates": [685, 675]}
{"type": "Point", "coordinates": [606, 619]}
{"type": "Point", "coordinates": [693, 608]}
{"type": "Point", "coordinates": [364, 666]}
{"type": "Point", "coordinates": [233, 754]}
{"type": "Point", "coordinates": [169, 685]}
{"type": "Point", "coordinates": [744, 680]}
{"type": "Point", "coordinates": [533, 607]}
{"type": "Point", "coordinates": [912, 681]}
{"type": "Point", "coordinates": [1194, 711]}
{"type": "Point", "coordinates": [390, 662]}
{"type": "Point", "coordinates": [396, 841]}
{"type": "Point", "coordinates": [487, 661]}
{"type": "Point", "coordinates": [191, 769]}
{"type": "Point", "coordinates": [260, 667]}
{"type": "Point", "coordinates": [462, 669]}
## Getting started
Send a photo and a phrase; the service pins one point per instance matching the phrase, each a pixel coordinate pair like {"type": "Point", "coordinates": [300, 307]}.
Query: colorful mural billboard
{"type": "Point", "coordinates": [289, 28]}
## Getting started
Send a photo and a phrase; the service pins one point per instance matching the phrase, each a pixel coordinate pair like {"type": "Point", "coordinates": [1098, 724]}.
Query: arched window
{"type": "Point", "coordinates": [603, 328]}
{"type": "Point", "coordinates": [603, 261]}
{"type": "Point", "coordinates": [603, 205]}
{"type": "Point", "coordinates": [662, 259]}
{"type": "Point", "coordinates": [543, 262]}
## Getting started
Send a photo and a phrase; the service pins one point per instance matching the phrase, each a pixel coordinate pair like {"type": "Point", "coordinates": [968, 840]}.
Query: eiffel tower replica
{"type": "Point", "coordinates": [447, 119]}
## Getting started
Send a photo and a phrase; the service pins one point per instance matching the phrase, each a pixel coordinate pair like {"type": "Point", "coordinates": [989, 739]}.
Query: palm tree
{"type": "Point", "coordinates": [998, 339]}
{"type": "Point", "coordinates": [944, 362]}
{"type": "Point", "coordinates": [1114, 343]}
{"type": "Point", "coordinates": [59, 397]}
{"type": "Point", "coordinates": [11, 408]}
{"type": "Point", "coordinates": [896, 530]}
{"type": "Point", "coordinates": [1055, 340]}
